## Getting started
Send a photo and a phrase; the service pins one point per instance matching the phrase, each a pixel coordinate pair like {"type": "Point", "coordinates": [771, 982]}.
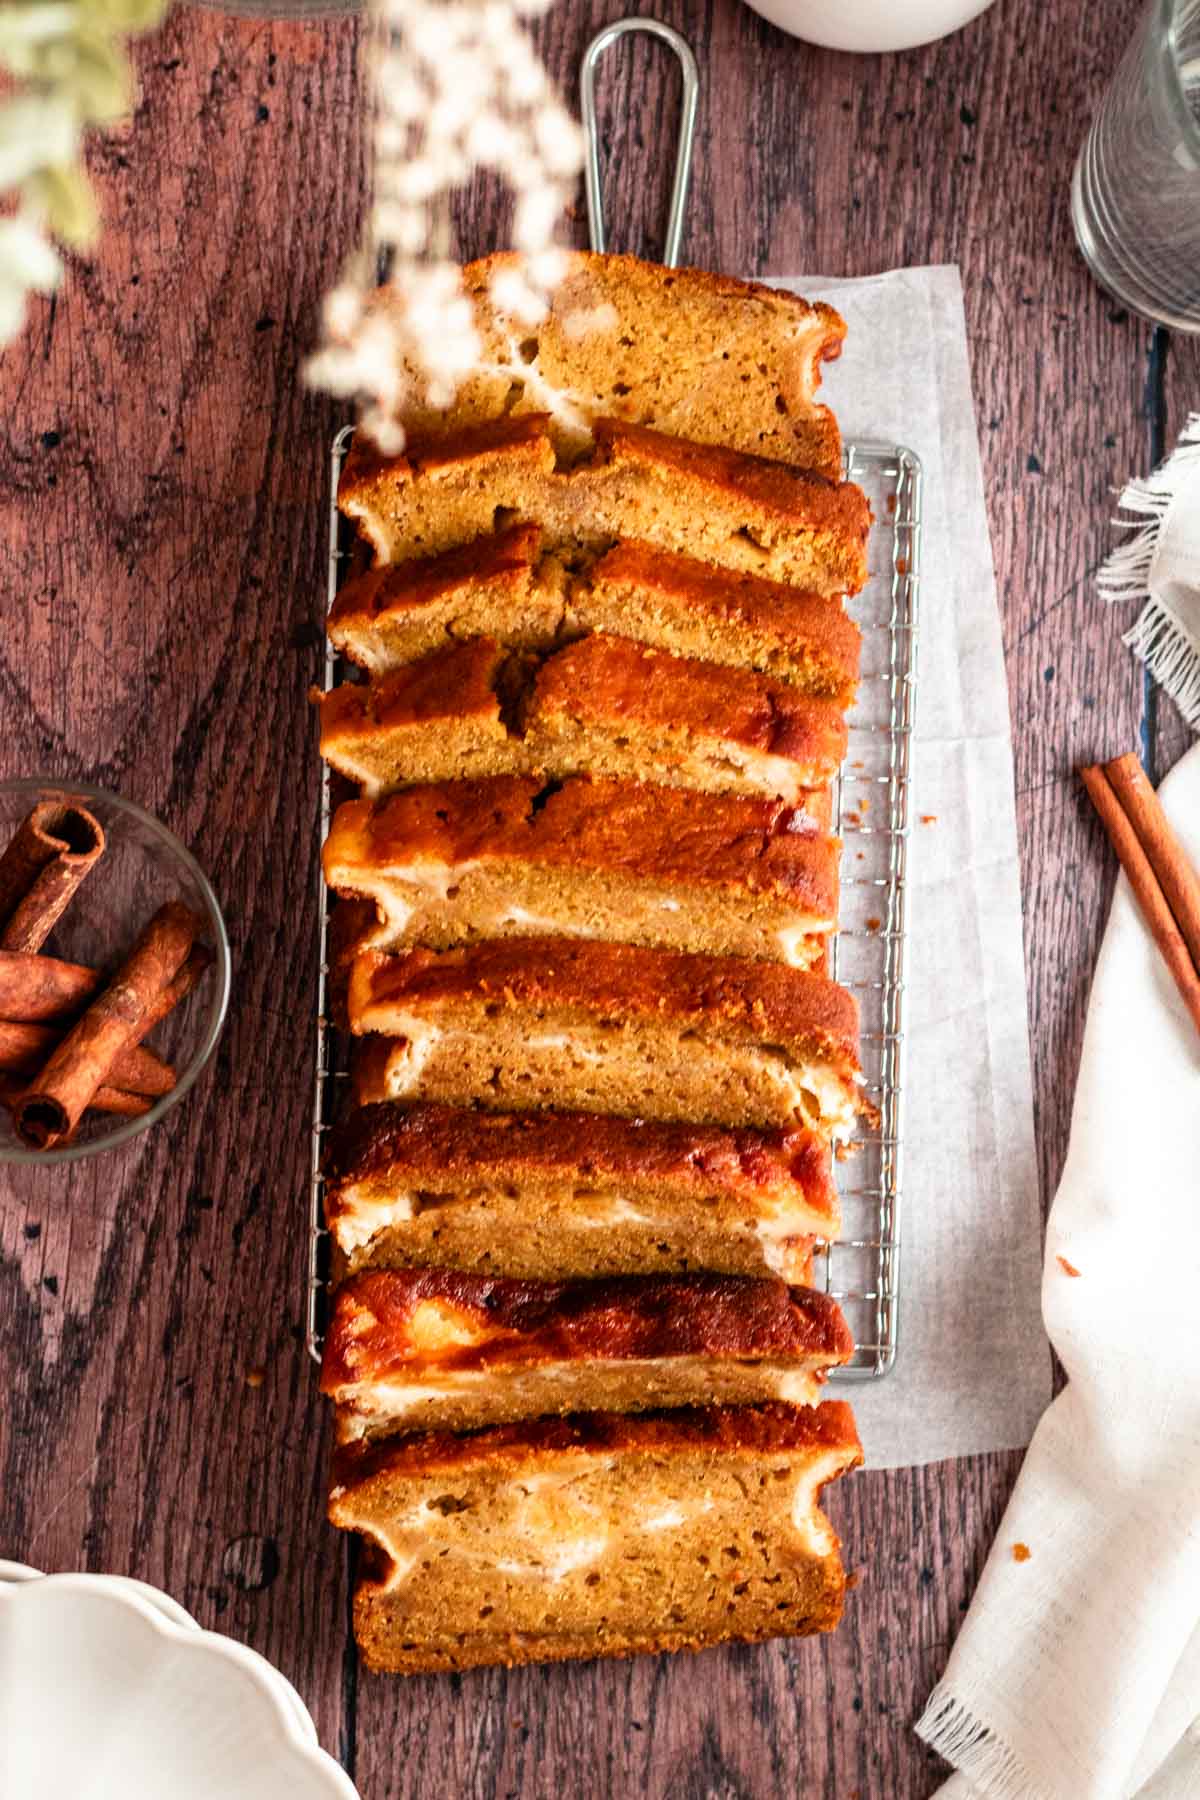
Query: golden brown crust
{"type": "Point", "coordinates": [701, 355]}
{"type": "Point", "coordinates": [777, 488]}
{"type": "Point", "coordinates": [619, 273]}
{"type": "Point", "coordinates": [560, 1538]}
{"type": "Point", "coordinates": [756, 1431]}
{"type": "Point", "coordinates": [439, 1347]}
{"type": "Point", "coordinates": [505, 588]}
{"type": "Point", "coordinates": [744, 1001]}
{"type": "Point", "coordinates": [739, 511]}
{"type": "Point", "coordinates": [821, 1611]}
{"type": "Point", "coordinates": [377, 1333]}
{"type": "Point", "coordinates": [759, 847]}
{"type": "Point", "coordinates": [609, 679]}
{"type": "Point", "coordinates": [423, 1143]}
{"type": "Point", "coordinates": [797, 630]}
{"type": "Point", "coordinates": [507, 441]}
{"type": "Point", "coordinates": [602, 706]}
{"type": "Point", "coordinates": [506, 559]}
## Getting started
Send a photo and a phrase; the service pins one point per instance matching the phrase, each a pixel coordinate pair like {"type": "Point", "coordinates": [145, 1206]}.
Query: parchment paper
{"type": "Point", "coordinates": [973, 1370]}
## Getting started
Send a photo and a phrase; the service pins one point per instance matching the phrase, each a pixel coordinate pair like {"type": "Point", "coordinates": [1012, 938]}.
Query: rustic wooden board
{"type": "Point", "coordinates": [161, 489]}
{"type": "Point", "coordinates": [162, 479]}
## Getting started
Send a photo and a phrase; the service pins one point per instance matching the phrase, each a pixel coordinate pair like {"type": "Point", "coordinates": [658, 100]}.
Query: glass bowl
{"type": "Point", "coordinates": [143, 866]}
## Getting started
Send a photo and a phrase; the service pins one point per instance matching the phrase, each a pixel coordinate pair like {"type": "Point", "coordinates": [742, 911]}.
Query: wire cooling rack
{"type": "Point", "coordinates": [871, 813]}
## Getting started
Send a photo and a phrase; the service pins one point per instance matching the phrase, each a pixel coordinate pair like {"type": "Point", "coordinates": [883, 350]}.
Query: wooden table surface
{"type": "Point", "coordinates": [162, 479]}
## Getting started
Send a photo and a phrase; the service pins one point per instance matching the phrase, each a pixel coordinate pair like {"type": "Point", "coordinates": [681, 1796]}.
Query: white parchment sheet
{"type": "Point", "coordinates": [973, 1370]}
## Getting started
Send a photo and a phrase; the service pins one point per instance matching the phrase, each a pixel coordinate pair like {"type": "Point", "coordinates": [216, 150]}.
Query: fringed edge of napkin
{"type": "Point", "coordinates": [1159, 638]}
{"type": "Point", "coordinates": [950, 1728]}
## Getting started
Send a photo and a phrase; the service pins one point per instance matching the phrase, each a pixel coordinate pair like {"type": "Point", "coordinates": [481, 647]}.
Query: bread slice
{"type": "Point", "coordinates": [737, 511]}
{"type": "Point", "coordinates": [601, 1535]}
{"type": "Point", "coordinates": [548, 1023]}
{"type": "Point", "coordinates": [500, 586]}
{"type": "Point", "coordinates": [699, 355]}
{"type": "Point", "coordinates": [508, 588]}
{"type": "Point", "coordinates": [618, 860]}
{"type": "Point", "coordinates": [725, 616]}
{"type": "Point", "coordinates": [603, 706]}
{"type": "Point", "coordinates": [438, 1349]}
{"type": "Point", "coordinates": [442, 718]}
{"type": "Point", "coordinates": [620, 708]}
{"type": "Point", "coordinates": [544, 1196]}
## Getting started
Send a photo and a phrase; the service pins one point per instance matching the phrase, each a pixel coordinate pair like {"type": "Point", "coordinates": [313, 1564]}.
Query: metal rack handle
{"type": "Point", "coordinates": [687, 130]}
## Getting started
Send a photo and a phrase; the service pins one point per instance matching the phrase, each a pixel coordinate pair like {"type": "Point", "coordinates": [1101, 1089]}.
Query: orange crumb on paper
{"type": "Point", "coordinates": [1066, 1267]}
{"type": "Point", "coordinates": [255, 1377]}
{"type": "Point", "coordinates": [860, 855]}
{"type": "Point", "coordinates": [874, 924]}
{"type": "Point", "coordinates": [902, 565]}
{"type": "Point", "coordinates": [1021, 1553]}
{"type": "Point", "coordinates": [853, 818]}
{"type": "Point", "coordinates": [891, 503]}
{"type": "Point", "coordinates": [858, 765]}
{"type": "Point", "coordinates": [929, 818]}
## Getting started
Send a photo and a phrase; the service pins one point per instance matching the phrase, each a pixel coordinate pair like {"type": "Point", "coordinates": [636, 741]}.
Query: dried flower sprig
{"type": "Point", "coordinates": [457, 86]}
{"type": "Point", "coordinates": [68, 62]}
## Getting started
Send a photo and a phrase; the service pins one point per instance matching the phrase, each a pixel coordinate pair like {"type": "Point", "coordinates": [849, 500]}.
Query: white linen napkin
{"type": "Point", "coordinates": [1160, 564]}
{"type": "Point", "coordinates": [1077, 1670]}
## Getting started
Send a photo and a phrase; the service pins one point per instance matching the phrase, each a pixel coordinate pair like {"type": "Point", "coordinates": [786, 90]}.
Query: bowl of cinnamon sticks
{"type": "Point", "coordinates": [114, 971]}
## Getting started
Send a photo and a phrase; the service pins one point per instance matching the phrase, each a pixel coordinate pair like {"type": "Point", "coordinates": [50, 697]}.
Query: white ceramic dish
{"type": "Point", "coordinates": [109, 1688]}
{"type": "Point", "coordinates": [869, 25]}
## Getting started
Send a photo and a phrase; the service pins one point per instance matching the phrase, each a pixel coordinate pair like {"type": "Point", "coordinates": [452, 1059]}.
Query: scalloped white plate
{"type": "Point", "coordinates": [108, 1688]}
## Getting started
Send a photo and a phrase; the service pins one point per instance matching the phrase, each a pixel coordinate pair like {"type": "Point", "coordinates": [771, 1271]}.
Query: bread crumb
{"type": "Point", "coordinates": [255, 1377]}
{"type": "Point", "coordinates": [1021, 1552]}
{"type": "Point", "coordinates": [929, 818]}
{"type": "Point", "coordinates": [1066, 1267]}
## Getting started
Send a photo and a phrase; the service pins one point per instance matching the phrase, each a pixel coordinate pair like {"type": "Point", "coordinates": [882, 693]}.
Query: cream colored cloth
{"type": "Point", "coordinates": [1160, 564]}
{"type": "Point", "coordinates": [1076, 1674]}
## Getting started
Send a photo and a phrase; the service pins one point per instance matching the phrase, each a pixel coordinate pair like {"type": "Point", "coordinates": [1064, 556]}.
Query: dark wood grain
{"type": "Point", "coordinates": [161, 479]}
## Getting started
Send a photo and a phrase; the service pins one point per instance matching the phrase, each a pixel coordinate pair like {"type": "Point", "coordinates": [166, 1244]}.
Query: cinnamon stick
{"type": "Point", "coordinates": [117, 1101]}
{"type": "Point", "coordinates": [53, 850]}
{"type": "Point", "coordinates": [36, 988]}
{"type": "Point", "coordinates": [104, 1100]}
{"type": "Point", "coordinates": [1167, 857]}
{"type": "Point", "coordinates": [1147, 889]}
{"type": "Point", "coordinates": [180, 985]}
{"type": "Point", "coordinates": [24, 1049]}
{"type": "Point", "coordinates": [56, 1099]}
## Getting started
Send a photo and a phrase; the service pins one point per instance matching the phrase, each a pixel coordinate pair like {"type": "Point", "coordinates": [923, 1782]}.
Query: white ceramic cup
{"type": "Point", "coordinates": [869, 25]}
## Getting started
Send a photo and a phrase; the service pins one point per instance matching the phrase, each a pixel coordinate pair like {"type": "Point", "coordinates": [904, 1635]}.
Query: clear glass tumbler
{"type": "Point", "coordinates": [1135, 197]}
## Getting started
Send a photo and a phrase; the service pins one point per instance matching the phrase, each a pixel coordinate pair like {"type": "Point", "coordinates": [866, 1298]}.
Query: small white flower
{"type": "Point", "coordinates": [457, 86]}
{"type": "Point", "coordinates": [27, 256]}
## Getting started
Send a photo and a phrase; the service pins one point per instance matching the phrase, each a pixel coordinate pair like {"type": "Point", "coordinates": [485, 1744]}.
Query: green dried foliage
{"type": "Point", "coordinates": [70, 71]}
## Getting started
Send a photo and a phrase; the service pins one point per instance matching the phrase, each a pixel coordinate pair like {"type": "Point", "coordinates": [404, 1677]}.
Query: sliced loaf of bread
{"type": "Point", "coordinates": [512, 1023]}
{"type": "Point", "coordinates": [622, 861]}
{"type": "Point", "coordinates": [725, 507]}
{"type": "Point", "coordinates": [599, 1535]}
